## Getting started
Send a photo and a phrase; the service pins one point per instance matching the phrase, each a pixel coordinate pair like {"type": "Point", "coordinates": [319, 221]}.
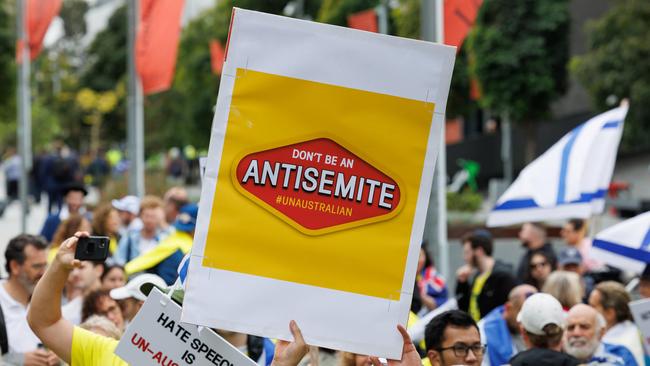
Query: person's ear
{"type": "Point", "coordinates": [507, 308]}
{"type": "Point", "coordinates": [99, 270]}
{"type": "Point", "coordinates": [14, 267]}
{"type": "Point", "coordinates": [610, 315]}
{"type": "Point", "coordinates": [434, 357]}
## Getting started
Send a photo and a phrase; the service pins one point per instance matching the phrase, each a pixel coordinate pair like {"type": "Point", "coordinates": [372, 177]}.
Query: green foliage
{"type": "Point", "coordinates": [7, 67]}
{"type": "Point", "coordinates": [106, 64]}
{"type": "Point", "coordinates": [71, 12]}
{"type": "Point", "coordinates": [617, 64]}
{"type": "Point", "coordinates": [337, 11]}
{"type": "Point", "coordinates": [406, 18]}
{"type": "Point", "coordinates": [519, 51]}
{"type": "Point", "coordinates": [466, 201]}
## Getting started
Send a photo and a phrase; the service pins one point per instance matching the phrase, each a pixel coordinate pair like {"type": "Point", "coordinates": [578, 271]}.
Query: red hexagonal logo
{"type": "Point", "coordinates": [317, 186]}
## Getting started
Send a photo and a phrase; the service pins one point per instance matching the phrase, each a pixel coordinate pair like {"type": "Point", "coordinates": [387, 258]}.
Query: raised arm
{"type": "Point", "coordinates": [44, 315]}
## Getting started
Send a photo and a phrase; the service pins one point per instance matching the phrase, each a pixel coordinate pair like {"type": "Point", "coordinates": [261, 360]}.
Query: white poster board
{"type": "Point", "coordinates": [158, 337]}
{"type": "Point", "coordinates": [362, 111]}
{"type": "Point", "coordinates": [641, 314]}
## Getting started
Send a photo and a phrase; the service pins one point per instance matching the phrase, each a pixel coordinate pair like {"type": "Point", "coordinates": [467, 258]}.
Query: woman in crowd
{"type": "Point", "coordinates": [68, 227]}
{"type": "Point", "coordinates": [539, 268]}
{"type": "Point", "coordinates": [99, 302]}
{"type": "Point", "coordinates": [430, 285]}
{"type": "Point", "coordinates": [113, 277]}
{"type": "Point", "coordinates": [106, 222]}
{"type": "Point", "coordinates": [565, 287]}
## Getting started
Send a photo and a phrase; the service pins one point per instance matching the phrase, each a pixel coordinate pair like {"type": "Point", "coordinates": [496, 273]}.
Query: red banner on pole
{"type": "Point", "coordinates": [157, 43]}
{"type": "Point", "coordinates": [459, 18]}
{"type": "Point", "coordinates": [217, 56]}
{"type": "Point", "coordinates": [39, 17]}
{"type": "Point", "coordinates": [365, 20]}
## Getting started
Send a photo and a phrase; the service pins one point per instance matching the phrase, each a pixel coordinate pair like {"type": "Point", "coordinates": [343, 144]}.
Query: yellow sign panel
{"type": "Point", "coordinates": [318, 184]}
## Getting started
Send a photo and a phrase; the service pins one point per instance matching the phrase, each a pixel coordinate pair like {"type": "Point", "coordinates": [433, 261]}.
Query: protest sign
{"type": "Point", "coordinates": [317, 183]}
{"type": "Point", "coordinates": [641, 313]}
{"type": "Point", "coordinates": [157, 337]}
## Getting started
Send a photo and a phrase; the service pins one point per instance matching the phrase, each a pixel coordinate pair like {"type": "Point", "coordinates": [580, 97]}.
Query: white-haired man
{"type": "Point", "coordinates": [585, 328]}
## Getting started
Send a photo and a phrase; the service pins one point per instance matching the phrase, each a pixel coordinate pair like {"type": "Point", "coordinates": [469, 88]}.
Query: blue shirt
{"type": "Point", "coordinates": [612, 355]}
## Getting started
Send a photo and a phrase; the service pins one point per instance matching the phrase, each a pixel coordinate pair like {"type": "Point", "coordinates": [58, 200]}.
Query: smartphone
{"type": "Point", "coordinates": [92, 248]}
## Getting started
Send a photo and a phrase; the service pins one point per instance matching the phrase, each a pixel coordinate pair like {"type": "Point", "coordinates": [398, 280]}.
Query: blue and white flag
{"type": "Point", "coordinates": [625, 245]}
{"type": "Point", "coordinates": [568, 180]}
{"type": "Point", "coordinates": [182, 269]}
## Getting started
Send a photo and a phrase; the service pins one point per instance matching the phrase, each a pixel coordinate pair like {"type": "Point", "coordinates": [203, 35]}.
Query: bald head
{"type": "Point", "coordinates": [585, 327]}
{"type": "Point", "coordinates": [516, 299]}
{"type": "Point", "coordinates": [586, 312]}
{"type": "Point", "coordinates": [175, 198]}
{"type": "Point", "coordinates": [520, 293]}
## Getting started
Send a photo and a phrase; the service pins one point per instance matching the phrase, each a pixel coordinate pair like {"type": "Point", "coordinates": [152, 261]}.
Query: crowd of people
{"type": "Point", "coordinates": [562, 308]}
{"type": "Point", "coordinates": [148, 238]}
{"type": "Point", "coordinates": [53, 169]}
{"type": "Point", "coordinates": [552, 309]}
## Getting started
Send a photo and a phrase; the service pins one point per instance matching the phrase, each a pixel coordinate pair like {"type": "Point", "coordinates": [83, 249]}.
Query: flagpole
{"type": "Point", "coordinates": [24, 127]}
{"type": "Point", "coordinates": [432, 29]}
{"type": "Point", "coordinates": [135, 111]}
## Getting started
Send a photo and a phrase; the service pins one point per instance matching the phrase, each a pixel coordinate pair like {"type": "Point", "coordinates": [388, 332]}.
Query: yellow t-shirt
{"type": "Point", "coordinates": [93, 349]}
{"type": "Point", "coordinates": [479, 282]}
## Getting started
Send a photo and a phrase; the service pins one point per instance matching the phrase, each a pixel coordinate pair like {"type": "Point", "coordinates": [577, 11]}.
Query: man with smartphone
{"type": "Point", "coordinates": [25, 262]}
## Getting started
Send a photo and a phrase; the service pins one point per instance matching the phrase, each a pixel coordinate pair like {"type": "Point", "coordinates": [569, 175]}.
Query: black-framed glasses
{"type": "Point", "coordinates": [461, 350]}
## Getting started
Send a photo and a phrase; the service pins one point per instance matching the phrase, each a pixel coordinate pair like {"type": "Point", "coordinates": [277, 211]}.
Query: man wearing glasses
{"type": "Point", "coordinates": [452, 338]}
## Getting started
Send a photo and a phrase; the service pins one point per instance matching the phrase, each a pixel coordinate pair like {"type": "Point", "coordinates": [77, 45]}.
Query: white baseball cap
{"type": "Point", "coordinates": [132, 289]}
{"type": "Point", "coordinates": [540, 310]}
{"type": "Point", "coordinates": [127, 203]}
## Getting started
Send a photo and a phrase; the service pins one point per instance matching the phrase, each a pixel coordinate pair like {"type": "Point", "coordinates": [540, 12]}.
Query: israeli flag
{"type": "Point", "coordinates": [625, 245]}
{"type": "Point", "coordinates": [182, 269]}
{"type": "Point", "coordinates": [568, 180]}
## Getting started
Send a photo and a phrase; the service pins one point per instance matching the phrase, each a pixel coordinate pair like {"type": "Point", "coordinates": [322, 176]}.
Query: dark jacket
{"type": "Point", "coordinates": [494, 293]}
{"type": "Point", "coordinates": [543, 357]}
{"type": "Point", "coordinates": [524, 263]}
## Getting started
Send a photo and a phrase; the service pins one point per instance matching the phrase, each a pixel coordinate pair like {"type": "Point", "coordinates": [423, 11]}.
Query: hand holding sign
{"type": "Point", "coordinates": [290, 353]}
{"type": "Point", "coordinates": [410, 355]}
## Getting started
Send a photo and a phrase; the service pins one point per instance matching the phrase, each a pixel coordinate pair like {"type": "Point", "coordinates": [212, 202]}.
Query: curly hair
{"type": "Point", "coordinates": [68, 228]}
{"type": "Point", "coordinates": [100, 216]}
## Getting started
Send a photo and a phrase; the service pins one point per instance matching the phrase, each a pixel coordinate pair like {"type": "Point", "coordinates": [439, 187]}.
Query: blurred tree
{"type": "Point", "coordinates": [96, 105]}
{"type": "Point", "coordinates": [406, 21]}
{"type": "Point", "coordinates": [406, 18]}
{"type": "Point", "coordinates": [56, 81]}
{"type": "Point", "coordinates": [7, 74]}
{"type": "Point", "coordinates": [519, 53]}
{"type": "Point", "coordinates": [337, 11]}
{"type": "Point", "coordinates": [617, 66]}
{"type": "Point", "coordinates": [73, 12]}
{"type": "Point", "coordinates": [106, 64]}
{"type": "Point", "coordinates": [104, 69]}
